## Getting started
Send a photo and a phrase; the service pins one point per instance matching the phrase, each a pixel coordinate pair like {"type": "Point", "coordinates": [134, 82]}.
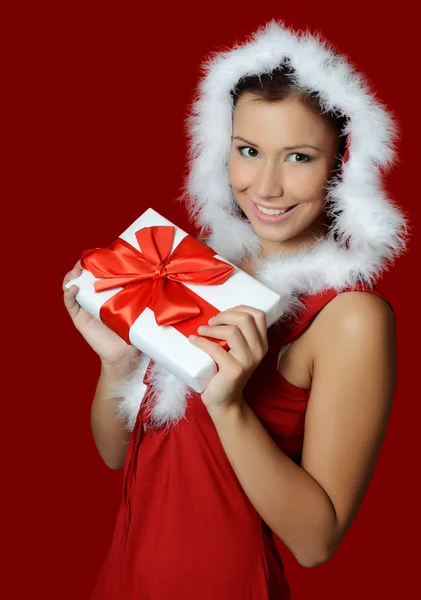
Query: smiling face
{"type": "Point", "coordinates": [282, 155]}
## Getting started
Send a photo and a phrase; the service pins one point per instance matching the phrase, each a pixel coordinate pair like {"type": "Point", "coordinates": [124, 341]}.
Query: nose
{"type": "Point", "coordinates": [269, 181]}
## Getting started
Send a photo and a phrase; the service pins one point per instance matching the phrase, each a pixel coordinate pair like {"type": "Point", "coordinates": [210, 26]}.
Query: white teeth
{"type": "Point", "coordinates": [271, 211]}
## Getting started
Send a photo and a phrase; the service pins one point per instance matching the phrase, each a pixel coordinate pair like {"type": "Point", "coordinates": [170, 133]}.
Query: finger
{"type": "Point", "coordinates": [70, 301]}
{"type": "Point", "coordinates": [246, 323]}
{"type": "Point", "coordinates": [259, 318]}
{"type": "Point", "coordinates": [75, 272]}
{"type": "Point", "coordinates": [239, 348]}
{"type": "Point", "coordinates": [221, 357]}
{"type": "Point", "coordinates": [232, 335]}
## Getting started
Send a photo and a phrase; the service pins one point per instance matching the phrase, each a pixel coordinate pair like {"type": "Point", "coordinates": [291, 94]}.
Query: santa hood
{"type": "Point", "coordinates": [368, 230]}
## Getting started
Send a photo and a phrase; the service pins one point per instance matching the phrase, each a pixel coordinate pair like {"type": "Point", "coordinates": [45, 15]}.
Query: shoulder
{"type": "Point", "coordinates": [353, 313]}
{"type": "Point", "coordinates": [348, 324]}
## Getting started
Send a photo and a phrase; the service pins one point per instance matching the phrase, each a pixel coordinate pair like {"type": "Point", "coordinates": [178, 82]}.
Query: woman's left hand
{"type": "Point", "coordinates": [245, 330]}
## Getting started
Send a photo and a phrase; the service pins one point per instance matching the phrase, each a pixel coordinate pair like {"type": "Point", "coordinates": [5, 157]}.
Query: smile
{"type": "Point", "coordinates": [275, 215]}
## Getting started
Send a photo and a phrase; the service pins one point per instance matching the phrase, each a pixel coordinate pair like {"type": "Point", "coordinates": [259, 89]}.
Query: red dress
{"type": "Point", "coordinates": [185, 528]}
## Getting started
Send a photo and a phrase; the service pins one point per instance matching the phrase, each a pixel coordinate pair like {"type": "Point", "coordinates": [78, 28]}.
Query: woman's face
{"type": "Point", "coordinates": [285, 158]}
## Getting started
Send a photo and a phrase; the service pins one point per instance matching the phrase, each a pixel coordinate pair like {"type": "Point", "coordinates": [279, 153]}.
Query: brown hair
{"type": "Point", "coordinates": [279, 84]}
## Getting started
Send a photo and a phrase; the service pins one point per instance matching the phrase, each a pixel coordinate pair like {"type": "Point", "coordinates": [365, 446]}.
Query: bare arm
{"type": "Point", "coordinates": [110, 434]}
{"type": "Point", "coordinates": [118, 360]}
{"type": "Point", "coordinates": [311, 507]}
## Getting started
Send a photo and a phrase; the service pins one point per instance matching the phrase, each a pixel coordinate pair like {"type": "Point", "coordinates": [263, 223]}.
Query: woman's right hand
{"type": "Point", "coordinates": [110, 347]}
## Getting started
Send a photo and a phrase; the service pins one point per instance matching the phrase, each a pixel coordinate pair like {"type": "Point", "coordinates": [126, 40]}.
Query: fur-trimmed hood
{"type": "Point", "coordinates": [368, 230]}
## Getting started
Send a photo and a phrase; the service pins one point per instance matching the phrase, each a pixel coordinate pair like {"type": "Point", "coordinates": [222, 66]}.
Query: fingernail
{"type": "Point", "coordinates": [192, 337]}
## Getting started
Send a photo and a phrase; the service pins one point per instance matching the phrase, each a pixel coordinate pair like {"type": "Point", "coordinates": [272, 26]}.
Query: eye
{"type": "Point", "coordinates": [306, 157]}
{"type": "Point", "coordinates": [241, 148]}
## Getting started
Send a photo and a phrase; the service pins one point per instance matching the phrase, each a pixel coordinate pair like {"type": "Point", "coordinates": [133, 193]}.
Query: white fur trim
{"type": "Point", "coordinates": [375, 229]}
{"type": "Point", "coordinates": [130, 392]}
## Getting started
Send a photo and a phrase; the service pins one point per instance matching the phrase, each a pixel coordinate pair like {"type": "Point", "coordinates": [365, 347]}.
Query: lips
{"type": "Point", "coordinates": [275, 207]}
{"type": "Point", "coordinates": [272, 219]}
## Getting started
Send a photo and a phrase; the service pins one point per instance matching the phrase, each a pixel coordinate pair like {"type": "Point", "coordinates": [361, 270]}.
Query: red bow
{"type": "Point", "coordinates": [154, 278]}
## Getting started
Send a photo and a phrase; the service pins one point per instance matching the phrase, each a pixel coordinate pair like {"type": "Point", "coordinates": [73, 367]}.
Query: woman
{"type": "Point", "coordinates": [280, 447]}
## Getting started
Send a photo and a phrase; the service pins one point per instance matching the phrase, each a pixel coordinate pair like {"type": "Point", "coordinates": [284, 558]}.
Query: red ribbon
{"type": "Point", "coordinates": [154, 278]}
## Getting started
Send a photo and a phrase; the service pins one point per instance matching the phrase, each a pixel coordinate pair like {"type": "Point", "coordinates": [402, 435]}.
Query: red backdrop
{"type": "Point", "coordinates": [100, 92]}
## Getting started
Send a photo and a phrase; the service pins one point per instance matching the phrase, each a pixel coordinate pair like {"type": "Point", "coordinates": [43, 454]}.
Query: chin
{"type": "Point", "coordinates": [276, 238]}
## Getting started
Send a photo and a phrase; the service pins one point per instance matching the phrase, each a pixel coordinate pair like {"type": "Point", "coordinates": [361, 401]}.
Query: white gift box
{"type": "Point", "coordinates": [164, 344]}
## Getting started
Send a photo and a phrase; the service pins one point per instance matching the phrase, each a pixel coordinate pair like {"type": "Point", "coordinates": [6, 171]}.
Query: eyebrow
{"type": "Point", "coordinates": [238, 137]}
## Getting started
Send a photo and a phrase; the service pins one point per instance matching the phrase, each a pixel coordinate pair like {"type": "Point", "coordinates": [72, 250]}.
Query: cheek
{"type": "Point", "coordinates": [240, 174]}
{"type": "Point", "coordinates": [309, 185]}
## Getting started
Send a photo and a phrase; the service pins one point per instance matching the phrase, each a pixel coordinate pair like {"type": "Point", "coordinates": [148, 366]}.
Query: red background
{"type": "Point", "coordinates": [96, 96]}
